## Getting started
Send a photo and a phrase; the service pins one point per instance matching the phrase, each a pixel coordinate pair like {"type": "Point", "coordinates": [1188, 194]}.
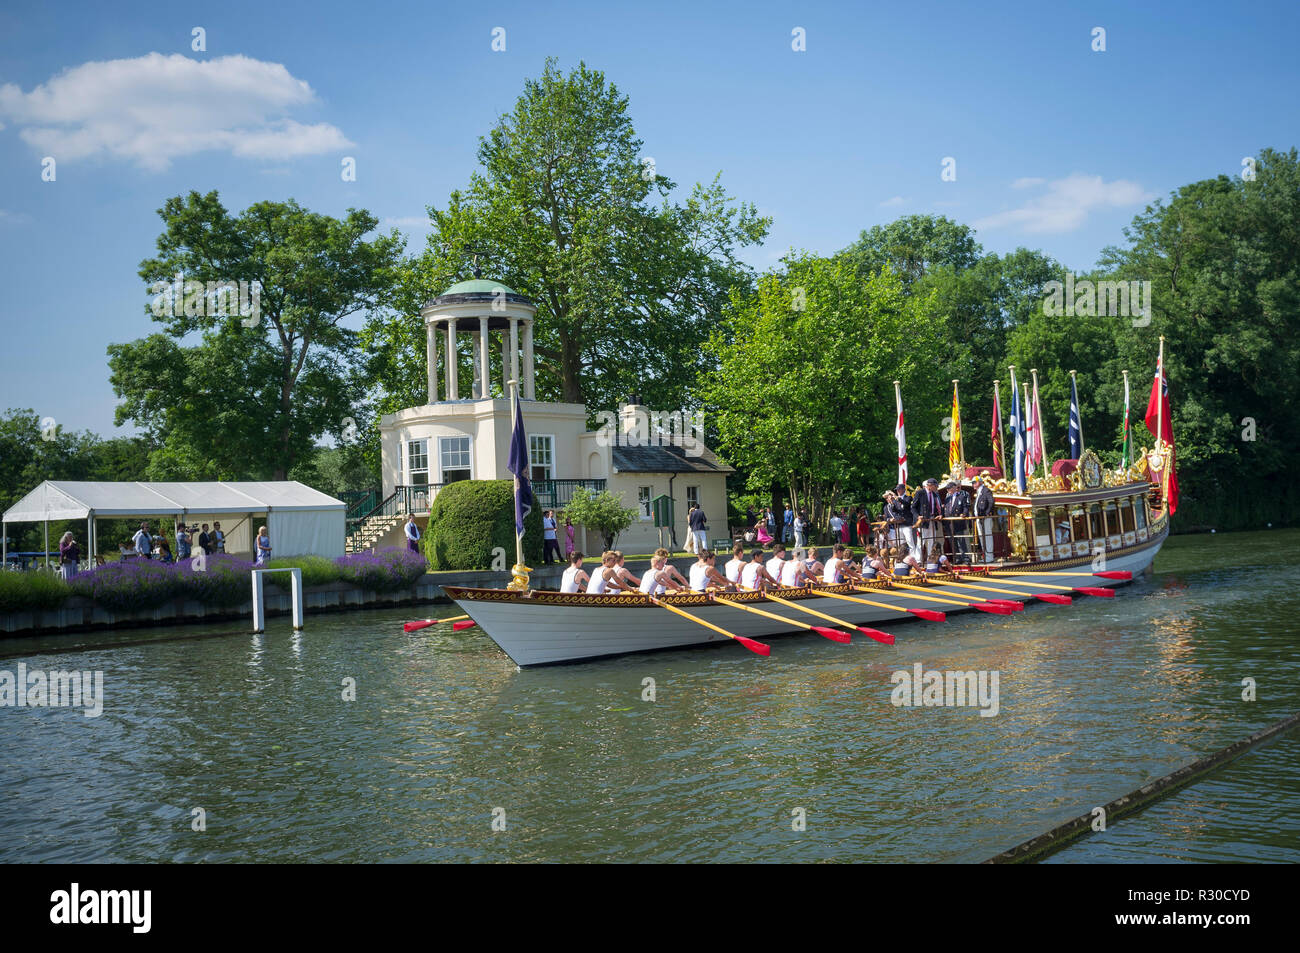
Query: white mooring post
{"type": "Point", "coordinates": [295, 591]}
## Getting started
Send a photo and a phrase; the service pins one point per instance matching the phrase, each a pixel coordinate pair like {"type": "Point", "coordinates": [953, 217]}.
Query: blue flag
{"type": "Point", "coordinates": [1018, 432]}
{"type": "Point", "coordinates": [518, 464]}
{"type": "Point", "coordinates": [1076, 428]}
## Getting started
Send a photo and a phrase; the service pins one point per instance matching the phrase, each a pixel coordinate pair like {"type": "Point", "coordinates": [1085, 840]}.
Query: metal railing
{"type": "Point", "coordinates": [554, 494]}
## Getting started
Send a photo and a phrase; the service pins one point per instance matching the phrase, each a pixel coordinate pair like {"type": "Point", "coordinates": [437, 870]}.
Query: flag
{"type": "Point", "coordinates": [1159, 419]}
{"type": "Point", "coordinates": [954, 445]}
{"type": "Point", "coordinates": [518, 464]}
{"type": "Point", "coordinates": [1076, 428]}
{"type": "Point", "coordinates": [1018, 434]}
{"type": "Point", "coordinates": [998, 452]}
{"type": "Point", "coordinates": [901, 434]}
{"type": "Point", "coordinates": [1033, 446]}
{"type": "Point", "coordinates": [1126, 455]}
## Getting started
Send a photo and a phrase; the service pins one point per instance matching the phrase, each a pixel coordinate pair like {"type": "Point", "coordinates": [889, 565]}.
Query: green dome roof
{"type": "Point", "coordinates": [478, 286]}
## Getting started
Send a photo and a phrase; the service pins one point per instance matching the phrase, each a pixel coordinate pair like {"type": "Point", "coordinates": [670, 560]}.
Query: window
{"type": "Point", "coordinates": [1112, 518]}
{"type": "Point", "coordinates": [455, 458]}
{"type": "Point", "coordinates": [1094, 521]}
{"type": "Point", "coordinates": [643, 501]}
{"type": "Point", "coordinates": [1060, 526]}
{"type": "Point", "coordinates": [1042, 527]}
{"type": "Point", "coordinates": [541, 456]}
{"type": "Point", "coordinates": [1079, 521]}
{"type": "Point", "coordinates": [1126, 514]}
{"type": "Point", "coordinates": [1140, 509]}
{"type": "Point", "coordinates": [692, 496]}
{"type": "Point", "coordinates": [417, 461]}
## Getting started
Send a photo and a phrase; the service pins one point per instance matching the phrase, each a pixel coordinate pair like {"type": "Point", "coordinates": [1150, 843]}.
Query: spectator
{"type": "Point", "coordinates": [412, 534]}
{"type": "Point", "coordinates": [69, 555]}
{"type": "Point", "coordinates": [143, 542]}
{"type": "Point", "coordinates": [164, 550]}
{"type": "Point", "coordinates": [182, 542]}
{"type": "Point", "coordinates": [837, 524]}
{"type": "Point", "coordinates": [218, 538]}
{"type": "Point", "coordinates": [205, 541]}
{"type": "Point", "coordinates": [699, 524]}
{"type": "Point", "coordinates": [550, 544]}
{"type": "Point", "coordinates": [569, 547]}
{"type": "Point", "coordinates": [800, 531]}
{"type": "Point", "coordinates": [787, 524]}
{"type": "Point", "coordinates": [690, 532]}
{"type": "Point", "coordinates": [263, 547]}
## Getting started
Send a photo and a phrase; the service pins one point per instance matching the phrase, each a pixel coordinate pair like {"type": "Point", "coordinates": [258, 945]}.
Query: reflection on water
{"type": "Point", "coordinates": [1096, 699]}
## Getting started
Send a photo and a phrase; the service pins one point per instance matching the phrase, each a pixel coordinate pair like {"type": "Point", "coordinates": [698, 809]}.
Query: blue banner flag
{"type": "Point", "coordinates": [1076, 428]}
{"type": "Point", "coordinates": [1018, 432]}
{"type": "Point", "coordinates": [518, 464]}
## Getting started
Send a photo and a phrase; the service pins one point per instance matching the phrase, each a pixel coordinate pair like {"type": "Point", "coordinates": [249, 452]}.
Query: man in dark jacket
{"type": "Point", "coordinates": [928, 510]}
{"type": "Point", "coordinates": [901, 519]}
{"type": "Point", "coordinates": [955, 506]}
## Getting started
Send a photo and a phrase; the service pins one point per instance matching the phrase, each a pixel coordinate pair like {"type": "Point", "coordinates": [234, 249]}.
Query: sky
{"type": "Point", "coordinates": [1055, 144]}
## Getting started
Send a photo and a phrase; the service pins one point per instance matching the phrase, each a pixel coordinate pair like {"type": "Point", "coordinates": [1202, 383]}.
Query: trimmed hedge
{"type": "Point", "coordinates": [470, 518]}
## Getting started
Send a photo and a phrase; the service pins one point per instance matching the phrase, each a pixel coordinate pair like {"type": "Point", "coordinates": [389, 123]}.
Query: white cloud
{"type": "Point", "coordinates": [1066, 204]}
{"type": "Point", "coordinates": [893, 202]}
{"type": "Point", "coordinates": [155, 108]}
{"type": "Point", "coordinates": [410, 221]}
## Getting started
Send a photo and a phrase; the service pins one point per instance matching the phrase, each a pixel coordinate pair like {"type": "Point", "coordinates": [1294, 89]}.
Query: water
{"type": "Point", "coordinates": [445, 735]}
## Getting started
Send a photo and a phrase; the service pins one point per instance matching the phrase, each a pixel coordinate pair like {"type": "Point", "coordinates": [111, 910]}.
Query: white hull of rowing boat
{"type": "Point", "coordinates": [533, 632]}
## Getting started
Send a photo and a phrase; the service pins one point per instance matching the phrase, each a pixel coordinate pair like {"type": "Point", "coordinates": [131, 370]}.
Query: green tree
{"type": "Point", "coordinates": [603, 512]}
{"type": "Point", "coordinates": [803, 394]}
{"type": "Point", "coordinates": [251, 394]}
{"type": "Point", "coordinates": [569, 210]}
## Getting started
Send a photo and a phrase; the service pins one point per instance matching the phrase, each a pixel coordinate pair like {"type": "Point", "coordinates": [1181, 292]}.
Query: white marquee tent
{"type": "Point", "coordinates": [298, 519]}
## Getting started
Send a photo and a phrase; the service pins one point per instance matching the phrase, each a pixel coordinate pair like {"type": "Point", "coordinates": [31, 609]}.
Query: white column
{"type": "Point", "coordinates": [476, 389]}
{"type": "Point", "coordinates": [529, 372]}
{"type": "Point", "coordinates": [514, 349]}
{"type": "Point", "coordinates": [485, 356]}
{"type": "Point", "coordinates": [453, 384]}
{"type": "Point", "coordinates": [431, 354]}
{"type": "Point", "coordinates": [505, 362]}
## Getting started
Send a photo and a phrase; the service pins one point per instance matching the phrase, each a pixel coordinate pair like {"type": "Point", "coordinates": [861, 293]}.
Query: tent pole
{"type": "Point", "coordinates": [4, 544]}
{"type": "Point", "coordinates": [47, 539]}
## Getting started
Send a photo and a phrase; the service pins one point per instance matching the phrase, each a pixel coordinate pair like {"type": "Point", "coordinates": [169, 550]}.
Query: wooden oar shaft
{"type": "Point", "coordinates": [762, 612]}
{"type": "Point", "coordinates": [794, 605]}
{"type": "Point", "coordinates": [1005, 592]}
{"type": "Point", "coordinates": [687, 615]}
{"type": "Point", "coordinates": [930, 595]}
{"type": "Point", "coordinates": [1014, 572]}
{"type": "Point", "coordinates": [1037, 585]}
{"type": "Point", "coordinates": [867, 602]}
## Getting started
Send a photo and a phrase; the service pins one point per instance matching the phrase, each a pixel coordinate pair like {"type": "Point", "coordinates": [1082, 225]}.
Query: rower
{"type": "Point", "coordinates": [671, 577]}
{"type": "Point", "coordinates": [833, 572]}
{"type": "Point", "coordinates": [573, 577]}
{"type": "Point", "coordinates": [871, 564]}
{"type": "Point", "coordinates": [626, 581]}
{"type": "Point", "coordinates": [755, 574]}
{"type": "Point", "coordinates": [776, 562]}
{"type": "Point", "coordinates": [793, 573]}
{"type": "Point", "coordinates": [603, 577]}
{"type": "Point", "coordinates": [812, 566]}
{"type": "Point", "coordinates": [736, 563]}
{"type": "Point", "coordinates": [652, 583]}
{"type": "Point", "coordinates": [705, 575]}
{"type": "Point", "coordinates": [902, 566]}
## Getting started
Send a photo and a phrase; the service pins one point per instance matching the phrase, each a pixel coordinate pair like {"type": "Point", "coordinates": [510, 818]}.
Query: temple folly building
{"type": "Point", "coordinates": [467, 437]}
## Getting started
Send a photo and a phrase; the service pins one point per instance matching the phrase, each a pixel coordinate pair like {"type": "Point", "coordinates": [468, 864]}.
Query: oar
{"type": "Point", "coordinates": [1108, 574]}
{"type": "Point", "coordinates": [425, 623]}
{"type": "Point", "coordinates": [758, 648]}
{"type": "Point", "coordinates": [1044, 596]}
{"type": "Point", "coordinates": [1000, 608]}
{"type": "Point", "coordinates": [833, 634]}
{"type": "Point", "coordinates": [919, 613]}
{"type": "Point", "coordinates": [1100, 591]}
{"type": "Point", "coordinates": [882, 637]}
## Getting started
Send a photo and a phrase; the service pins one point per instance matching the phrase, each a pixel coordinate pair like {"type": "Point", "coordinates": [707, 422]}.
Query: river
{"type": "Point", "coordinates": [450, 753]}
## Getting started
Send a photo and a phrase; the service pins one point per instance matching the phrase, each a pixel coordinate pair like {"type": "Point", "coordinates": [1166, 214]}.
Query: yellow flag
{"type": "Point", "coordinates": [954, 445]}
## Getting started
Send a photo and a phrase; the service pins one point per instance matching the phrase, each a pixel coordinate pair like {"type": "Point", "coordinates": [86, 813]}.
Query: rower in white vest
{"type": "Point", "coordinates": [573, 577]}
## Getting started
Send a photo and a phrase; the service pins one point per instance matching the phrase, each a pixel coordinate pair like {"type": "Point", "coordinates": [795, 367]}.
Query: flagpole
{"type": "Point", "coordinates": [961, 435]}
{"type": "Point", "coordinates": [514, 422]}
{"type": "Point", "coordinates": [1074, 393]}
{"type": "Point", "coordinates": [1038, 422]}
{"type": "Point", "coordinates": [1160, 393]}
{"type": "Point", "coordinates": [997, 413]}
{"type": "Point", "coordinates": [1125, 453]}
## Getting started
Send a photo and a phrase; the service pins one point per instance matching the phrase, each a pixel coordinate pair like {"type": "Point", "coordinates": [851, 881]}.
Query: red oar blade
{"type": "Point", "coordinates": [1010, 604]}
{"type": "Point", "coordinates": [1097, 591]}
{"type": "Point", "coordinates": [1059, 600]}
{"type": "Point", "coordinates": [995, 609]}
{"type": "Point", "coordinates": [422, 624]}
{"type": "Point", "coordinates": [1114, 574]}
{"type": "Point", "coordinates": [928, 614]}
{"type": "Point", "coordinates": [882, 637]}
{"type": "Point", "coordinates": [758, 648]}
{"type": "Point", "coordinates": [465, 624]}
{"type": "Point", "coordinates": [835, 635]}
